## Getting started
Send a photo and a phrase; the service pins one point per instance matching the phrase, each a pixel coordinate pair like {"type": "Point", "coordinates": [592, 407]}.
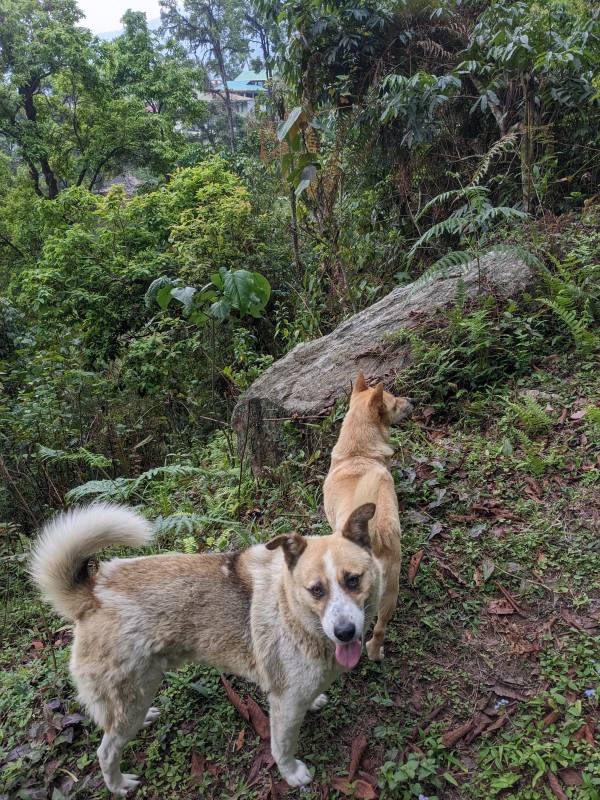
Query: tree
{"type": "Point", "coordinates": [157, 72]}
{"type": "Point", "coordinates": [525, 58]}
{"type": "Point", "coordinates": [37, 42]}
{"type": "Point", "coordinates": [216, 31]}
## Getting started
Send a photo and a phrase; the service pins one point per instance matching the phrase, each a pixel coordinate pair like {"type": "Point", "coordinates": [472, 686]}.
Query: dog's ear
{"type": "Point", "coordinates": [357, 525]}
{"type": "Point", "coordinates": [360, 383]}
{"type": "Point", "coordinates": [293, 545]}
{"type": "Point", "coordinates": [376, 399]}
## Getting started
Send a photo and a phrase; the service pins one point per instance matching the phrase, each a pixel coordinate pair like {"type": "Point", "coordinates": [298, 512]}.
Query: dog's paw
{"type": "Point", "coordinates": [319, 702]}
{"type": "Point", "coordinates": [374, 651]}
{"type": "Point", "coordinates": [152, 715]}
{"type": "Point", "coordinates": [128, 784]}
{"type": "Point", "coordinates": [298, 775]}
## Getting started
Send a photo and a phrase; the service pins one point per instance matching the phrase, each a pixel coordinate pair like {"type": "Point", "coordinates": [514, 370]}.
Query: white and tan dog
{"type": "Point", "coordinates": [289, 615]}
{"type": "Point", "coordinates": [359, 469]}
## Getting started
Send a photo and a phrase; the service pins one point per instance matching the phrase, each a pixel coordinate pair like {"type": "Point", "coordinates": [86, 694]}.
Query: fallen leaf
{"type": "Point", "coordinates": [502, 720]}
{"type": "Point", "coordinates": [462, 517]}
{"type": "Point", "coordinates": [258, 718]}
{"type": "Point", "coordinates": [577, 415]}
{"type": "Point", "coordinates": [359, 788]}
{"type": "Point", "coordinates": [500, 607]}
{"type": "Point", "coordinates": [235, 699]}
{"type": "Point", "coordinates": [582, 624]}
{"type": "Point", "coordinates": [263, 758]}
{"type": "Point", "coordinates": [414, 566]}
{"type": "Point", "coordinates": [450, 738]}
{"type": "Point", "coordinates": [239, 742]}
{"type": "Point", "coordinates": [555, 786]}
{"type": "Point", "coordinates": [551, 718]}
{"type": "Point", "coordinates": [511, 600]}
{"type": "Point", "coordinates": [502, 690]}
{"type": "Point", "coordinates": [534, 486]}
{"type": "Point", "coordinates": [359, 745]}
{"type": "Point", "coordinates": [72, 719]}
{"type": "Point", "coordinates": [571, 777]}
{"type": "Point", "coordinates": [198, 767]}
{"type": "Point", "coordinates": [37, 645]}
{"type": "Point", "coordinates": [487, 568]}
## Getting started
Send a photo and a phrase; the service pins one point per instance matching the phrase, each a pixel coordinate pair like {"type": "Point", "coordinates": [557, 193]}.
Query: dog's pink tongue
{"type": "Point", "coordinates": [348, 655]}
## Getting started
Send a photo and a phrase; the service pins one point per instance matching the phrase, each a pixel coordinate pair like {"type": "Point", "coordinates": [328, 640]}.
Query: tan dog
{"type": "Point", "coordinates": [359, 473]}
{"type": "Point", "coordinates": [289, 615]}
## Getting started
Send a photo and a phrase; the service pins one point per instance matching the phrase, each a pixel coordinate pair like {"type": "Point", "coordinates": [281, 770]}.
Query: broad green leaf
{"type": "Point", "coordinates": [185, 295]}
{"type": "Point", "coordinates": [163, 296]}
{"type": "Point", "coordinates": [290, 125]}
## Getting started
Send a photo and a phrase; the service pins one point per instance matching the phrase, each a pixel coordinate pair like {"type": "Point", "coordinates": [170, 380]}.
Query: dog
{"type": "Point", "coordinates": [289, 615]}
{"type": "Point", "coordinates": [359, 468]}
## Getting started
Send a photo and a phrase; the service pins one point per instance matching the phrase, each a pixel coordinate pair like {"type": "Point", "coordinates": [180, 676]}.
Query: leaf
{"type": "Point", "coordinates": [500, 607]}
{"type": "Point", "coordinates": [306, 177]}
{"type": "Point", "coordinates": [258, 718]}
{"type": "Point", "coordinates": [235, 699]}
{"type": "Point", "coordinates": [184, 294]}
{"type": "Point", "coordinates": [163, 296]}
{"type": "Point", "coordinates": [553, 783]}
{"type": "Point", "coordinates": [571, 777]}
{"type": "Point", "coordinates": [504, 781]}
{"type": "Point", "coordinates": [487, 568]}
{"type": "Point", "coordinates": [289, 127]}
{"type": "Point", "coordinates": [576, 415]}
{"type": "Point", "coordinates": [221, 310]}
{"type": "Point", "coordinates": [263, 758]}
{"type": "Point", "coordinates": [359, 745]}
{"type": "Point", "coordinates": [198, 767]}
{"type": "Point", "coordinates": [239, 742]}
{"type": "Point", "coordinates": [450, 738]}
{"type": "Point", "coordinates": [414, 566]}
{"type": "Point", "coordinates": [358, 788]}
{"type": "Point", "coordinates": [507, 691]}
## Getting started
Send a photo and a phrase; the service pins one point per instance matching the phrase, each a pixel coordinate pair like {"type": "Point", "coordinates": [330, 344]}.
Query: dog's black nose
{"type": "Point", "coordinates": [345, 632]}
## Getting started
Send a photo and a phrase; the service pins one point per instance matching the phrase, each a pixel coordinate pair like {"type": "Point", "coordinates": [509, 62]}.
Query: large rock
{"type": "Point", "coordinates": [309, 379]}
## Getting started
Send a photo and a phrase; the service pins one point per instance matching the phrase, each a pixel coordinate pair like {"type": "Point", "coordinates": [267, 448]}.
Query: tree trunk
{"type": "Point", "coordinates": [294, 228]}
{"type": "Point", "coordinates": [528, 142]}
{"type": "Point", "coordinates": [219, 56]}
{"type": "Point", "coordinates": [28, 93]}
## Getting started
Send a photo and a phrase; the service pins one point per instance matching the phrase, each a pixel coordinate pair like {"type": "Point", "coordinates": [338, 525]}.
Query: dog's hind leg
{"type": "Point", "coordinates": [131, 715]}
{"type": "Point", "coordinates": [287, 713]}
{"type": "Point", "coordinates": [387, 606]}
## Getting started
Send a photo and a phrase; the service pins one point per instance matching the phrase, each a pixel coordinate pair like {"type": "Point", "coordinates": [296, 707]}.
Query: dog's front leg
{"type": "Point", "coordinates": [287, 713]}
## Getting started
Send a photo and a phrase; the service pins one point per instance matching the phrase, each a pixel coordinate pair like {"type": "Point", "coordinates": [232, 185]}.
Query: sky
{"type": "Point", "coordinates": [103, 16]}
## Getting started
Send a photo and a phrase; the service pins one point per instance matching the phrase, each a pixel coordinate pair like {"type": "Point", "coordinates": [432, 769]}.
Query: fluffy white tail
{"type": "Point", "coordinates": [61, 553]}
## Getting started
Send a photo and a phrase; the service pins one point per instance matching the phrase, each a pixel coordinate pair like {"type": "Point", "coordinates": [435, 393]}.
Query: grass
{"type": "Point", "coordinates": [503, 500]}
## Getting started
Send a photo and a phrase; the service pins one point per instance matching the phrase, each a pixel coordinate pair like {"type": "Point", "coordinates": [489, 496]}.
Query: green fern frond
{"type": "Point", "coordinates": [79, 456]}
{"type": "Point", "coordinates": [456, 259]}
{"type": "Point", "coordinates": [117, 490]}
{"type": "Point", "coordinates": [172, 471]}
{"type": "Point", "coordinates": [453, 225]}
{"type": "Point", "coordinates": [503, 145]}
{"type": "Point", "coordinates": [519, 253]}
{"type": "Point", "coordinates": [583, 338]}
{"type": "Point", "coordinates": [464, 193]}
{"type": "Point", "coordinates": [531, 415]}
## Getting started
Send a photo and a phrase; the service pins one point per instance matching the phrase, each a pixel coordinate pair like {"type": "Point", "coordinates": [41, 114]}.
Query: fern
{"type": "Point", "coordinates": [173, 471]}
{"type": "Point", "coordinates": [531, 415]}
{"type": "Point", "coordinates": [117, 490]}
{"type": "Point", "coordinates": [80, 456]}
{"type": "Point", "coordinates": [122, 489]}
{"type": "Point", "coordinates": [464, 192]}
{"type": "Point", "coordinates": [503, 145]}
{"type": "Point", "coordinates": [577, 325]}
{"type": "Point", "coordinates": [443, 267]}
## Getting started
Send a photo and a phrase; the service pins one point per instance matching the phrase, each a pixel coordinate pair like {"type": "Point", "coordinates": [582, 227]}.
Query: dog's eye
{"type": "Point", "coordinates": [352, 582]}
{"type": "Point", "coordinates": [317, 590]}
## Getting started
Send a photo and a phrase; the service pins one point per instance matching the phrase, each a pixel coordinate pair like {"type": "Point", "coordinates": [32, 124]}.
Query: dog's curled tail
{"type": "Point", "coordinates": [59, 563]}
